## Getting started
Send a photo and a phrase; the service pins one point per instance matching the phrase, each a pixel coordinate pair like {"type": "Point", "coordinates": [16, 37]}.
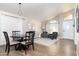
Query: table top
{"type": "Point", "coordinates": [16, 36]}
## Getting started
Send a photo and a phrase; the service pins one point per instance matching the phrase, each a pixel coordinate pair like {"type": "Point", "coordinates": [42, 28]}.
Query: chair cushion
{"type": "Point", "coordinates": [14, 42]}
{"type": "Point", "coordinates": [26, 43]}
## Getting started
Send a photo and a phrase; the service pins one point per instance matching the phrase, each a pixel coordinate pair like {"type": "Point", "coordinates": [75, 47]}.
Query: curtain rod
{"type": "Point", "coordinates": [13, 16]}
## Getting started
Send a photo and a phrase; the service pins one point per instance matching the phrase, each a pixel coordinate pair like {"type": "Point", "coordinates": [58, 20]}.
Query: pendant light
{"type": "Point", "coordinates": [20, 9]}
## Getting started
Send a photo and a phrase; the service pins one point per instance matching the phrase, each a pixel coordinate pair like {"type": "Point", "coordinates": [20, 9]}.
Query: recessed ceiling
{"type": "Point", "coordinates": [39, 11]}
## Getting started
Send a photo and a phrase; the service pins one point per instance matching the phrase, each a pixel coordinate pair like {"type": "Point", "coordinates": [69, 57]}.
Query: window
{"type": "Point", "coordinates": [68, 17]}
{"type": "Point", "coordinates": [52, 26]}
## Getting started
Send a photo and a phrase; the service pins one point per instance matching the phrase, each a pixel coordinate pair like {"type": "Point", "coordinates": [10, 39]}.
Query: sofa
{"type": "Point", "coordinates": [45, 34]}
{"type": "Point", "coordinates": [54, 35]}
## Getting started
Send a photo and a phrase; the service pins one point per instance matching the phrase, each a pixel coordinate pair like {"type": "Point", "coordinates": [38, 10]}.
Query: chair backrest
{"type": "Point", "coordinates": [55, 34]}
{"type": "Point", "coordinates": [30, 36]}
{"type": "Point", "coordinates": [15, 33]}
{"type": "Point", "coordinates": [6, 37]}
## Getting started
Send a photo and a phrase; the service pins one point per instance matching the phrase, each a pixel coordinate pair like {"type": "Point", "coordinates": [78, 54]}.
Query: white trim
{"type": "Point", "coordinates": [12, 15]}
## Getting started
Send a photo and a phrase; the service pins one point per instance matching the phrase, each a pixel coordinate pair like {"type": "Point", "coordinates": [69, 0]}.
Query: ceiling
{"type": "Point", "coordinates": [39, 11]}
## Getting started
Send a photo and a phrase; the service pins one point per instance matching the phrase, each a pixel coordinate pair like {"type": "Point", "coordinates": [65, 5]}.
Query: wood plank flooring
{"type": "Point", "coordinates": [64, 47]}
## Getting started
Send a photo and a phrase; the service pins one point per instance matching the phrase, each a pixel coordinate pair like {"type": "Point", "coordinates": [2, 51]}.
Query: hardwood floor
{"type": "Point", "coordinates": [62, 47]}
{"type": "Point", "coordinates": [66, 47]}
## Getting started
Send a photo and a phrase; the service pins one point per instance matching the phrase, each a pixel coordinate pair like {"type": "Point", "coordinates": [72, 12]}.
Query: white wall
{"type": "Point", "coordinates": [76, 34]}
{"type": "Point", "coordinates": [0, 27]}
{"type": "Point", "coordinates": [32, 24]}
{"type": "Point", "coordinates": [60, 25]}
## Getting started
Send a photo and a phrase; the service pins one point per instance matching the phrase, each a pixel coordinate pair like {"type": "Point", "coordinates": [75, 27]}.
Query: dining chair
{"type": "Point", "coordinates": [29, 40]}
{"type": "Point", "coordinates": [16, 33]}
{"type": "Point", "coordinates": [9, 43]}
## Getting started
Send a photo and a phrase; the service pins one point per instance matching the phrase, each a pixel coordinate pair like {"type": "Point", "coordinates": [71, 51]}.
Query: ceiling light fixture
{"type": "Point", "coordinates": [20, 13]}
{"type": "Point", "coordinates": [20, 9]}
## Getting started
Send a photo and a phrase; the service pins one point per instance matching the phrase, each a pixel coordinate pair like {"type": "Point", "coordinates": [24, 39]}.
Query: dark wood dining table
{"type": "Point", "coordinates": [20, 39]}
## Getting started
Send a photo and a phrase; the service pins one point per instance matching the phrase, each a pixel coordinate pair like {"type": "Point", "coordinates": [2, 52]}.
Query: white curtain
{"type": "Point", "coordinates": [52, 26]}
{"type": "Point", "coordinates": [9, 24]}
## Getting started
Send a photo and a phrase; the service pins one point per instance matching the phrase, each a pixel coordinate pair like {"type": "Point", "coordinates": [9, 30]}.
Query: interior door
{"type": "Point", "coordinates": [68, 29]}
